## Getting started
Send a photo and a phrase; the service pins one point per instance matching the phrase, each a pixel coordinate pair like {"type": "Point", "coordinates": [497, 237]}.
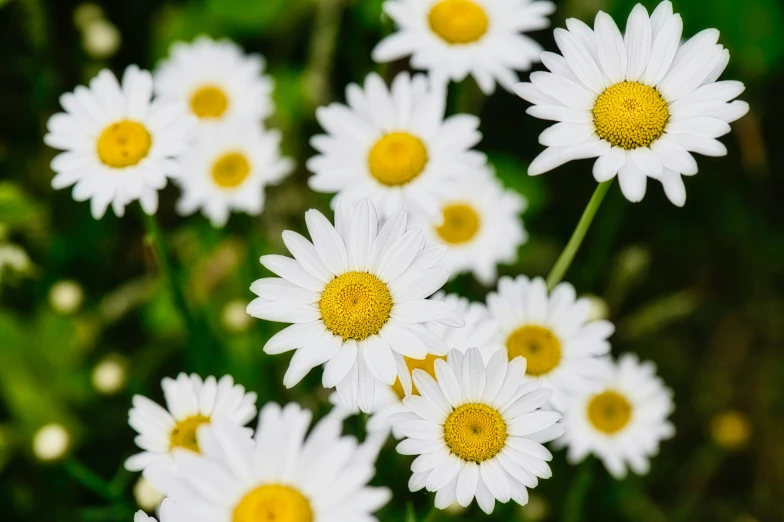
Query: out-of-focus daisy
{"type": "Point", "coordinates": [623, 422]}
{"type": "Point", "coordinates": [477, 430]}
{"type": "Point", "coordinates": [641, 103]}
{"type": "Point", "coordinates": [357, 298]}
{"type": "Point", "coordinates": [481, 225]}
{"type": "Point", "coordinates": [279, 475]}
{"type": "Point", "coordinates": [480, 330]}
{"type": "Point", "coordinates": [227, 169]}
{"type": "Point", "coordinates": [393, 146]}
{"type": "Point", "coordinates": [562, 347]}
{"type": "Point", "coordinates": [119, 145]}
{"type": "Point", "coordinates": [454, 38]}
{"type": "Point", "coordinates": [190, 403]}
{"type": "Point", "coordinates": [217, 81]}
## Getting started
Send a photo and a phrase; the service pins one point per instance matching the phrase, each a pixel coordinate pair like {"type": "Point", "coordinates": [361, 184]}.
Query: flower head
{"type": "Point", "coordinates": [641, 102]}
{"type": "Point", "coordinates": [119, 146]}
{"type": "Point", "coordinates": [454, 38]}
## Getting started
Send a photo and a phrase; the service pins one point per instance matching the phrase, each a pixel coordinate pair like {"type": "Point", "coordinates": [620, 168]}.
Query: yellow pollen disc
{"type": "Point", "coordinates": [230, 170]}
{"type": "Point", "coordinates": [209, 102]}
{"type": "Point", "coordinates": [475, 432]}
{"type": "Point", "coordinates": [427, 364]}
{"type": "Point", "coordinates": [355, 305]}
{"type": "Point", "coordinates": [273, 503]}
{"type": "Point", "coordinates": [184, 433]}
{"type": "Point", "coordinates": [461, 223]}
{"type": "Point", "coordinates": [123, 144]}
{"type": "Point", "coordinates": [630, 115]}
{"type": "Point", "coordinates": [540, 347]}
{"type": "Point", "coordinates": [609, 412]}
{"type": "Point", "coordinates": [397, 158]}
{"type": "Point", "coordinates": [458, 21]}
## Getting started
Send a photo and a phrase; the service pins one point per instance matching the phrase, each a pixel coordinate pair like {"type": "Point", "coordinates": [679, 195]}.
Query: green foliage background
{"type": "Point", "coordinates": [698, 290]}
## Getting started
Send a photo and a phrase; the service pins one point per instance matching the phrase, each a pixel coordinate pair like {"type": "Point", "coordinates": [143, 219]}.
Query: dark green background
{"type": "Point", "coordinates": [698, 290]}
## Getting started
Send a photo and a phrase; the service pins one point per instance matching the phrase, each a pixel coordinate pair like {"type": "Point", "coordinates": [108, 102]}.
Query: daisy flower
{"type": "Point", "coordinates": [356, 296]}
{"type": "Point", "coordinates": [217, 81]}
{"type": "Point", "coordinates": [481, 225]}
{"type": "Point", "coordinates": [623, 422]}
{"type": "Point", "coordinates": [119, 146]}
{"type": "Point", "coordinates": [227, 169]}
{"type": "Point", "coordinates": [479, 330]}
{"type": "Point", "coordinates": [561, 346]}
{"type": "Point", "coordinates": [393, 146]}
{"type": "Point", "coordinates": [280, 474]}
{"type": "Point", "coordinates": [641, 103]}
{"type": "Point", "coordinates": [477, 431]}
{"type": "Point", "coordinates": [454, 38]}
{"type": "Point", "coordinates": [190, 403]}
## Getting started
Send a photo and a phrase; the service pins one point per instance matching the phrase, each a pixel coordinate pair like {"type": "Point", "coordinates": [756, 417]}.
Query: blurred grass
{"type": "Point", "coordinates": [697, 290]}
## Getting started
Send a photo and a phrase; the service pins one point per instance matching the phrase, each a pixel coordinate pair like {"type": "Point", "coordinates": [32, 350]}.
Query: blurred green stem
{"type": "Point", "coordinates": [567, 256]}
{"type": "Point", "coordinates": [432, 515]}
{"type": "Point", "coordinates": [581, 482]}
{"type": "Point", "coordinates": [90, 480]}
{"type": "Point", "coordinates": [155, 239]}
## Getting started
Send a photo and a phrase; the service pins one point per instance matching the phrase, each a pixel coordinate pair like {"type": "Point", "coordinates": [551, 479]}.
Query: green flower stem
{"type": "Point", "coordinates": [90, 480]}
{"type": "Point", "coordinates": [581, 482]}
{"type": "Point", "coordinates": [432, 515]}
{"type": "Point", "coordinates": [567, 256]}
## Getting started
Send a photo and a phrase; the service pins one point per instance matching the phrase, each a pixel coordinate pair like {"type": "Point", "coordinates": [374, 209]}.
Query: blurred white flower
{"type": "Point", "coordinates": [146, 495]}
{"type": "Point", "coordinates": [394, 146]}
{"type": "Point", "coordinates": [217, 81]}
{"type": "Point", "coordinates": [51, 442]}
{"type": "Point", "coordinates": [109, 375]}
{"type": "Point", "coordinates": [190, 403]}
{"type": "Point", "coordinates": [623, 422]}
{"type": "Point", "coordinates": [234, 317]}
{"type": "Point", "coordinates": [119, 145]}
{"type": "Point", "coordinates": [454, 38]}
{"type": "Point", "coordinates": [563, 348]}
{"type": "Point", "coordinates": [481, 225]}
{"type": "Point", "coordinates": [227, 168]}
{"type": "Point", "coordinates": [66, 297]}
{"type": "Point", "coordinates": [13, 258]}
{"type": "Point", "coordinates": [101, 38]}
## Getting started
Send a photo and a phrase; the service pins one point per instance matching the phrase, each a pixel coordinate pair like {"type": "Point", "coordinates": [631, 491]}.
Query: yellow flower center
{"type": "Point", "coordinates": [209, 102]}
{"type": "Point", "coordinates": [609, 412]}
{"type": "Point", "coordinates": [273, 503]}
{"type": "Point", "coordinates": [397, 158]}
{"type": "Point", "coordinates": [355, 305]}
{"type": "Point", "coordinates": [630, 115]}
{"type": "Point", "coordinates": [230, 170]}
{"type": "Point", "coordinates": [123, 144]}
{"type": "Point", "coordinates": [461, 223]}
{"type": "Point", "coordinates": [475, 432]}
{"type": "Point", "coordinates": [458, 21]}
{"type": "Point", "coordinates": [184, 433]}
{"type": "Point", "coordinates": [427, 364]}
{"type": "Point", "coordinates": [540, 347]}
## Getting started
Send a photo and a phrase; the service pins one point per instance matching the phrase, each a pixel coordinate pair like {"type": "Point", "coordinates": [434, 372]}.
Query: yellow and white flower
{"type": "Point", "coordinates": [479, 330]}
{"type": "Point", "coordinates": [477, 430]}
{"type": "Point", "coordinates": [394, 146]}
{"type": "Point", "coordinates": [190, 403]}
{"type": "Point", "coordinates": [624, 421]}
{"type": "Point", "coordinates": [454, 38]}
{"type": "Point", "coordinates": [217, 81]}
{"type": "Point", "coordinates": [481, 225]}
{"type": "Point", "coordinates": [562, 347]}
{"type": "Point", "coordinates": [119, 146]}
{"type": "Point", "coordinates": [280, 474]}
{"type": "Point", "coordinates": [227, 168]}
{"type": "Point", "coordinates": [641, 103]}
{"type": "Point", "coordinates": [357, 298]}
